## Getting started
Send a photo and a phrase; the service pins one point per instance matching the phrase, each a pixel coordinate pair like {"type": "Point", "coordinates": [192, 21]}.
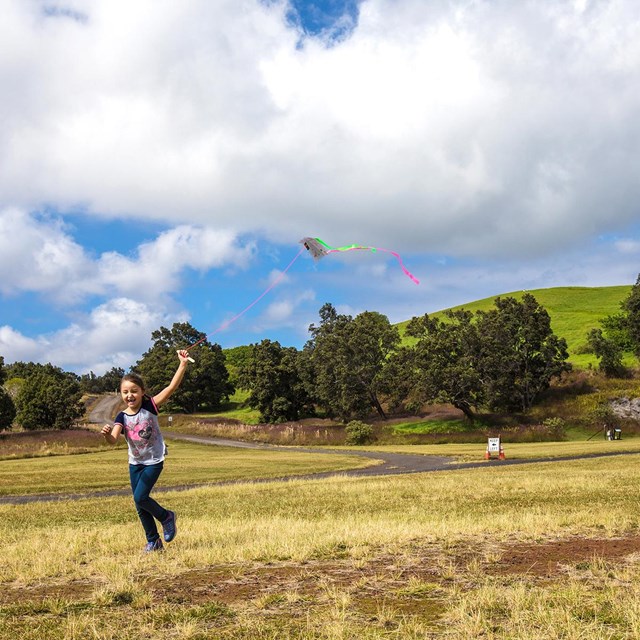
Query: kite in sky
{"type": "Point", "coordinates": [318, 249]}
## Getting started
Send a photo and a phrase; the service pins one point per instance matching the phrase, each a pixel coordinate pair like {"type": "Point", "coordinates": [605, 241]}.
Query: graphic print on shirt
{"type": "Point", "coordinates": [145, 431]}
{"type": "Point", "coordinates": [141, 434]}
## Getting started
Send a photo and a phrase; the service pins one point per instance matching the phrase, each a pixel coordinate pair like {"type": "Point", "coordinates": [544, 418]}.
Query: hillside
{"type": "Point", "coordinates": [573, 310]}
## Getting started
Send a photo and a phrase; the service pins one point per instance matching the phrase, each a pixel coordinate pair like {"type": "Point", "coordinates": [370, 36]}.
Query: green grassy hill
{"type": "Point", "coordinates": [573, 310]}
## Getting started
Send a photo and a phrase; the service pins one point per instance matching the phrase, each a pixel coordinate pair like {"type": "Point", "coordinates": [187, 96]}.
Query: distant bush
{"type": "Point", "coordinates": [555, 427]}
{"type": "Point", "coordinates": [358, 432]}
{"type": "Point", "coordinates": [554, 423]}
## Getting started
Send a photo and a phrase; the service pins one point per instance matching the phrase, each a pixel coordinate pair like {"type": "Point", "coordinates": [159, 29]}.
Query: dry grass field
{"type": "Point", "coordinates": [544, 550]}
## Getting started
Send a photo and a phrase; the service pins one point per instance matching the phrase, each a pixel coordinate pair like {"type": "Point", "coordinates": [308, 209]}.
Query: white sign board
{"type": "Point", "coordinates": [494, 445]}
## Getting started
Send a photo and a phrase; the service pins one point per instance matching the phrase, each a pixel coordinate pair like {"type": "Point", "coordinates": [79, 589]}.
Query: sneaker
{"type": "Point", "coordinates": [156, 545]}
{"type": "Point", "coordinates": [169, 527]}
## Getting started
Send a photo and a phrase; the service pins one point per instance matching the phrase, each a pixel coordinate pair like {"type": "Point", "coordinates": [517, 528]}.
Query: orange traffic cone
{"type": "Point", "coordinates": [501, 455]}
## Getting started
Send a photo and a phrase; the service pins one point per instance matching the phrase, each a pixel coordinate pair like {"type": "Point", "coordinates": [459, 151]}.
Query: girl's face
{"type": "Point", "coordinates": [132, 395]}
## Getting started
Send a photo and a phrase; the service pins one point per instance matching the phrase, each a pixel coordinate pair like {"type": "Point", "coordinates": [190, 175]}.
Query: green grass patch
{"type": "Point", "coordinates": [574, 311]}
{"type": "Point", "coordinates": [236, 409]}
{"type": "Point", "coordinates": [434, 426]}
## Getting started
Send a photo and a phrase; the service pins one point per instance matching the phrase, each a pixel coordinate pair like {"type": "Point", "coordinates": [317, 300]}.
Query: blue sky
{"type": "Point", "coordinates": [160, 161]}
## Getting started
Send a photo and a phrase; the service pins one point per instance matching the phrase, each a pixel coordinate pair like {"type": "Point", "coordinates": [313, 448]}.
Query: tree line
{"type": "Point", "coordinates": [500, 360]}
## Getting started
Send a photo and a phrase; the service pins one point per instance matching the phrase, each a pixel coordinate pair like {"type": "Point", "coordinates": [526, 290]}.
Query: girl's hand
{"type": "Point", "coordinates": [183, 354]}
{"type": "Point", "coordinates": [106, 430]}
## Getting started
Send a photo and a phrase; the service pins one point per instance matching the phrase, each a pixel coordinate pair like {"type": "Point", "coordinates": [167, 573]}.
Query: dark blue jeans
{"type": "Point", "coordinates": [143, 477]}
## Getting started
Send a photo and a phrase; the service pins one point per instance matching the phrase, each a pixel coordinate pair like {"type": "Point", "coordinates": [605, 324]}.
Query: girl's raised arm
{"type": "Point", "coordinates": [165, 394]}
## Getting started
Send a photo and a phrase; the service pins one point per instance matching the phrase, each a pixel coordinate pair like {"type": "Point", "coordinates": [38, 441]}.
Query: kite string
{"type": "Point", "coordinates": [224, 325]}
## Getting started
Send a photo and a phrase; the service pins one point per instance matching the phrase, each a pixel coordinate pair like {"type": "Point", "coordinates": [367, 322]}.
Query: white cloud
{"type": "Point", "coordinates": [159, 265]}
{"type": "Point", "coordinates": [117, 332]}
{"type": "Point", "coordinates": [38, 255]}
{"type": "Point", "coordinates": [281, 312]}
{"type": "Point", "coordinates": [133, 292]}
{"type": "Point", "coordinates": [15, 346]}
{"type": "Point", "coordinates": [436, 126]}
{"type": "Point", "coordinates": [114, 334]}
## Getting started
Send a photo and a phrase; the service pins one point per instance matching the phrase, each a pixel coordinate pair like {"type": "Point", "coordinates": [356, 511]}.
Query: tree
{"type": "Point", "coordinates": [631, 311]}
{"type": "Point", "coordinates": [520, 354]}
{"type": "Point", "coordinates": [320, 378]}
{"type": "Point", "coordinates": [346, 358]}
{"type": "Point", "coordinates": [271, 374]}
{"type": "Point", "coordinates": [206, 382]}
{"type": "Point", "coordinates": [372, 341]}
{"type": "Point", "coordinates": [22, 370]}
{"type": "Point", "coordinates": [442, 366]}
{"type": "Point", "coordinates": [7, 408]}
{"type": "Point", "coordinates": [89, 382]}
{"type": "Point", "coordinates": [609, 352]}
{"type": "Point", "coordinates": [110, 381]}
{"type": "Point", "coordinates": [620, 332]}
{"type": "Point", "coordinates": [48, 399]}
{"type": "Point", "coordinates": [615, 328]}
{"type": "Point", "coordinates": [236, 359]}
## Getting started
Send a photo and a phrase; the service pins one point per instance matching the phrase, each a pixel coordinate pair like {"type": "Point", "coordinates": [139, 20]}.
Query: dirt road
{"type": "Point", "coordinates": [105, 409]}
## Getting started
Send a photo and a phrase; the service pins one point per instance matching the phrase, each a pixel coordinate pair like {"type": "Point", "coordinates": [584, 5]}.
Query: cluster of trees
{"type": "Point", "coordinates": [620, 334]}
{"type": "Point", "coordinates": [108, 382]}
{"type": "Point", "coordinates": [38, 396]}
{"type": "Point", "coordinates": [501, 359]}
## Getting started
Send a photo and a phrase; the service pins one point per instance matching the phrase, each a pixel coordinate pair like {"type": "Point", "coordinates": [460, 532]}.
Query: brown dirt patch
{"type": "Point", "coordinates": [550, 558]}
{"type": "Point", "coordinates": [76, 590]}
{"type": "Point", "coordinates": [387, 578]}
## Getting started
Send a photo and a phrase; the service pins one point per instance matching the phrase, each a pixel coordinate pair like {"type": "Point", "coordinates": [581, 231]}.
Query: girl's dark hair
{"type": "Point", "coordinates": [133, 377]}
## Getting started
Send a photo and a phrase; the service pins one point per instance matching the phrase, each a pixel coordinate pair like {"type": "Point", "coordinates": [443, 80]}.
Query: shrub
{"type": "Point", "coordinates": [358, 432]}
{"type": "Point", "coordinates": [554, 423]}
{"type": "Point", "coordinates": [555, 427]}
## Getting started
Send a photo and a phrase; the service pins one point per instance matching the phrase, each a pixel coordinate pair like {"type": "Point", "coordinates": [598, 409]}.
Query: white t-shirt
{"type": "Point", "coordinates": [142, 433]}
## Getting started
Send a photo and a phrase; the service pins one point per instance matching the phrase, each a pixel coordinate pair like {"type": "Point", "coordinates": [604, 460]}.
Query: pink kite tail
{"type": "Point", "coordinates": [393, 253]}
{"type": "Point", "coordinates": [406, 271]}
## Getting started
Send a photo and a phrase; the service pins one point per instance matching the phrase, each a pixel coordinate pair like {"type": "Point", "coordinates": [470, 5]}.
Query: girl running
{"type": "Point", "coordinates": [138, 422]}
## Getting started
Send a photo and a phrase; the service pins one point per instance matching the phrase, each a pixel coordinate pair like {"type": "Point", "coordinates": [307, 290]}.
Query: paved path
{"type": "Point", "coordinates": [388, 464]}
